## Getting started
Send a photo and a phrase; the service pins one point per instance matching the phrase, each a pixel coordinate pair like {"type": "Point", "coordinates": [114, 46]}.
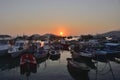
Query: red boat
{"type": "Point", "coordinates": [28, 64]}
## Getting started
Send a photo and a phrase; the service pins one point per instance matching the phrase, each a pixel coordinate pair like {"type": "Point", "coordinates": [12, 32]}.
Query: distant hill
{"type": "Point", "coordinates": [112, 34]}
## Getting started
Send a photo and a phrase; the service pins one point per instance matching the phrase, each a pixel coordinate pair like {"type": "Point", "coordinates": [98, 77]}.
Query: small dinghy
{"type": "Point", "coordinates": [54, 55]}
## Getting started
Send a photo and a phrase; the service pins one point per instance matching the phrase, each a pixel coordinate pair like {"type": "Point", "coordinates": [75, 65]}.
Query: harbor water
{"type": "Point", "coordinates": [49, 69]}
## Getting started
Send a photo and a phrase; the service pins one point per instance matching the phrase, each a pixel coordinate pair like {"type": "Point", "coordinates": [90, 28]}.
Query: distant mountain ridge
{"type": "Point", "coordinates": [112, 34]}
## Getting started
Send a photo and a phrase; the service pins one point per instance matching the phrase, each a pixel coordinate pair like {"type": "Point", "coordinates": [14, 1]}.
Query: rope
{"type": "Point", "coordinates": [110, 70]}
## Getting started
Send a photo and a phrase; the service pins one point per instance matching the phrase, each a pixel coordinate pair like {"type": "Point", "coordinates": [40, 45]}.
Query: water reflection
{"type": "Point", "coordinates": [104, 58]}
{"type": "Point", "coordinates": [42, 60]}
{"type": "Point", "coordinates": [78, 74]}
{"type": "Point", "coordinates": [8, 63]}
{"type": "Point", "coordinates": [48, 69]}
{"type": "Point", "coordinates": [108, 66]}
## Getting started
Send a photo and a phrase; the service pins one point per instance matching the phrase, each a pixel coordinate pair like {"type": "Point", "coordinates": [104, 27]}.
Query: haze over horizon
{"type": "Point", "coordinates": [72, 17]}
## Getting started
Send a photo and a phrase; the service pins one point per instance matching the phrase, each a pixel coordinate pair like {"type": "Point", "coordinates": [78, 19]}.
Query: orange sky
{"type": "Point", "coordinates": [72, 17]}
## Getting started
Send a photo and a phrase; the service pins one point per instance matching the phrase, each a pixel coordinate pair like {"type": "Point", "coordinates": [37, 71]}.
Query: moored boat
{"type": "Point", "coordinates": [77, 65]}
{"type": "Point", "coordinates": [17, 49]}
{"type": "Point", "coordinates": [4, 46]}
{"type": "Point", "coordinates": [28, 64]}
{"type": "Point", "coordinates": [110, 48]}
{"type": "Point", "coordinates": [54, 54]}
{"type": "Point", "coordinates": [79, 71]}
{"type": "Point", "coordinates": [109, 52]}
{"type": "Point", "coordinates": [41, 53]}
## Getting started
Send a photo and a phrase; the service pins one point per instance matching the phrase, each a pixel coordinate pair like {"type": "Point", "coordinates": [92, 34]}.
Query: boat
{"type": "Point", "coordinates": [54, 54]}
{"type": "Point", "coordinates": [79, 71]}
{"type": "Point", "coordinates": [77, 65]}
{"type": "Point", "coordinates": [81, 51]}
{"type": "Point", "coordinates": [28, 64]}
{"type": "Point", "coordinates": [4, 46]}
{"type": "Point", "coordinates": [109, 52]}
{"type": "Point", "coordinates": [109, 48]}
{"type": "Point", "coordinates": [41, 53]}
{"type": "Point", "coordinates": [64, 44]}
{"type": "Point", "coordinates": [85, 56]}
{"type": "Point", "coordinates": [17, 49]}
{"type": "Point", "coordinates": [47, 47]}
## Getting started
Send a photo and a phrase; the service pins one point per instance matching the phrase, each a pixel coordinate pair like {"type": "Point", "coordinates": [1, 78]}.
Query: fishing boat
{"type": "Point", "coordinates": [28, 64]}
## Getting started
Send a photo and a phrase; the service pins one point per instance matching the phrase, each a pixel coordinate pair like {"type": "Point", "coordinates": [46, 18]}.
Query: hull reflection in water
{"type": "Point", "coordinates": [78, 74]}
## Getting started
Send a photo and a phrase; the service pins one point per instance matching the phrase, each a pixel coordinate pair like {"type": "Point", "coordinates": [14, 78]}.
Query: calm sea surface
{"type": "Point", "coordinates": [48, 69]}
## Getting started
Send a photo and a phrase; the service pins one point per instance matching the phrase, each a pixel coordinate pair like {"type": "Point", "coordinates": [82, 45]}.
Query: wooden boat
{"type": "Point", "coordinates": [79, 71]}
{"type": "Point", "coordinates": [77, 65]}
{"type": "Point", "coordinates": [85, 56]}
{"type": "Point", "coordinates": [28, 64]}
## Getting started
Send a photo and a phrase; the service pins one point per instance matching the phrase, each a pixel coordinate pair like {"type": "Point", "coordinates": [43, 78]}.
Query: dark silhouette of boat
{"type": "Point", "coordinates": [78, 70]}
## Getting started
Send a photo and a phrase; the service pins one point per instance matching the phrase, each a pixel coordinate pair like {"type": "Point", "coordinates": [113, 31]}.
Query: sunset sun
{"type": "Point", "coordinates": [61, 33]}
